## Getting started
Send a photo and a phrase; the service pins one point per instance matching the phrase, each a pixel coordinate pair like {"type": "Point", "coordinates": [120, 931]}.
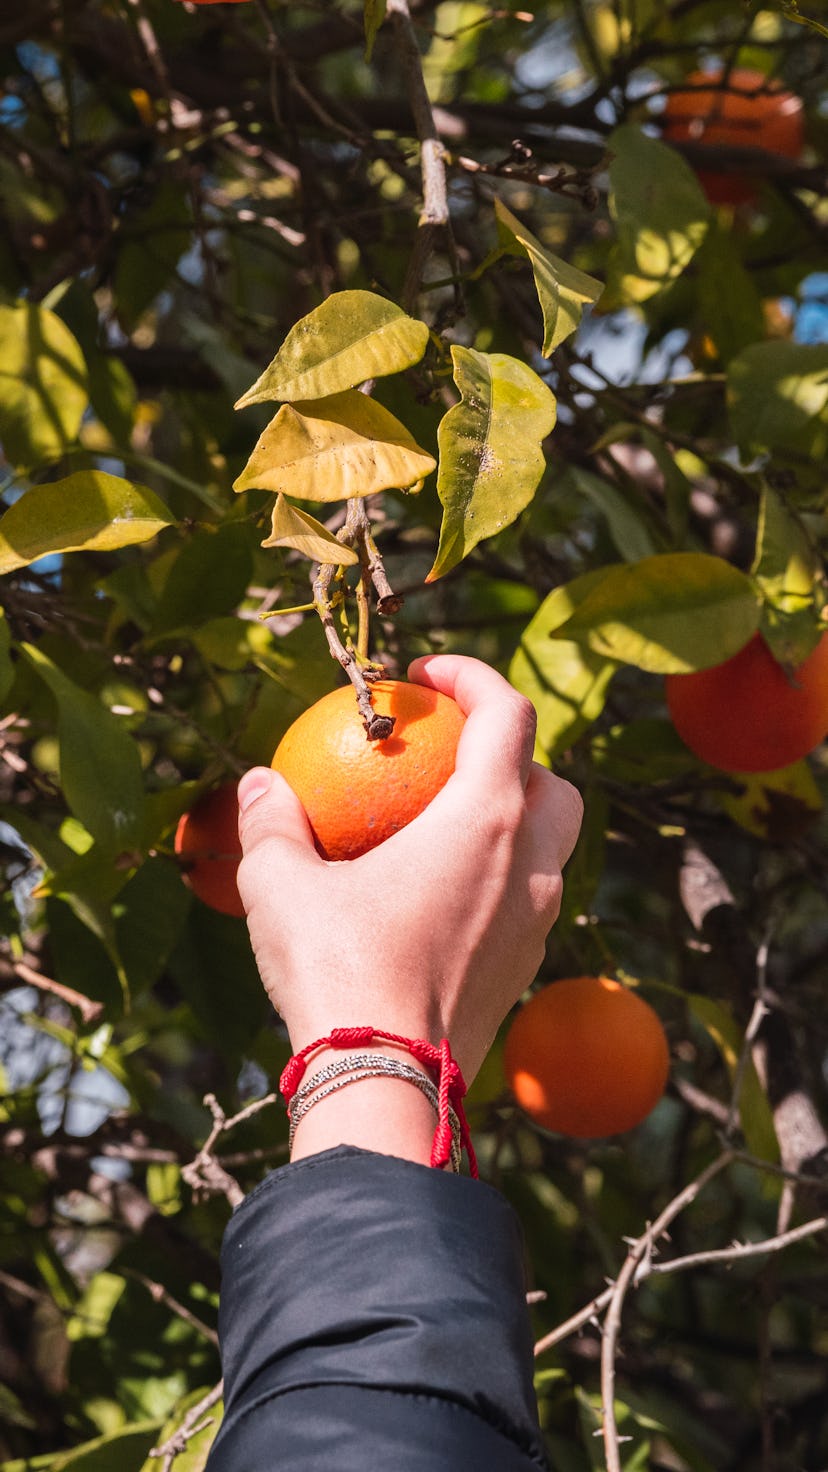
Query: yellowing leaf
{"type": "Point", "coordinates": [352, 336]}
{"type": "Point", "coordinates": [778, 805]}
{"type": "Point", "coordinates": [333, 448]}
{"type": "Point", "coordinates": [562, 289]}
{"type": "Point", "coordinates": [490, 450]}
{"type": "Point", "coordinates": [660, 212]}
{"type": "Point", "coordinates": [43, 385]}
{"type": "Point", "coordinates": [89, 511]}
{"type": "Point", "coordinates": [668, 614]}
{"type": "Point", "coordinates": [291, 527]}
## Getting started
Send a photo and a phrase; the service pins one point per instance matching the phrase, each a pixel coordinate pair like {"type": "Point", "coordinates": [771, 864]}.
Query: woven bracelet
{"type": "Point", "coordinates": [335, 1076]}
{"type": "Point", "coordinates": [443, 1074]}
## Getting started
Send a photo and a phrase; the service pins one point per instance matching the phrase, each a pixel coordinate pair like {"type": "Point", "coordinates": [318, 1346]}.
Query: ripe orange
{"type": "Point", "coordinates": [747, 714]}
{"type": "Point", "coordinates": [207, 838]}
{"type": "Point", "coordinates": [357, 792]}
{"type": "Point", "coordinates": [732, 117]}
{"type": "Point", "coordinates": [586, 1057]}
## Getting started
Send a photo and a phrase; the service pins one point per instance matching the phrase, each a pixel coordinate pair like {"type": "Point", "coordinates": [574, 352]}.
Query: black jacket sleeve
{"type": "Point", "coordinates": [373, 1316]}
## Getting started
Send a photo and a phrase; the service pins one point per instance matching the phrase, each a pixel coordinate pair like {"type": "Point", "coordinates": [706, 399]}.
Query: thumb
{"type": "Point", "coordinates": [270, 811]}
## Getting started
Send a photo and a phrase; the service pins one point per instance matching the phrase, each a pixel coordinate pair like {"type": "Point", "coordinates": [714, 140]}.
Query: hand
{"type": "Point", "coordinates": [438, 931]}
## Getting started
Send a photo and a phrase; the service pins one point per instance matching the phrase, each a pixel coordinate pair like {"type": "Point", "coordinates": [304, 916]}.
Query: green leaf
{"type": "Point", "coordinates": [778, 398]}
{"type": "Point", "coordinates": [232, 643]}
{"type": "Point", "coordinates": [352, 336]}
{"type": "Point", "coordinates": [151, 909]}
{"type": "Point", "coordinates": [661, 217]}
{"type": "Point", "coordinates": [562, 289]}
{"type": "Point", "coordinates": [566, 683]}
{"type": "Point", "coordinates": [291, 527]}
{"type": "Point", "coordinates": [668, 614]}
{"type": "Point", "coordinates": [151, 244]}
{"type": "Point", "coordinates": [43, 385]}
{"type": "Point", "coordinates": [100, 768]}
{"type": "Point", "coordinates": [89, 511]}
{"type": "Point", "coordinates": [787, 571]}
{"type": "Point", "coordinates": [208, 576]}
{"type": "Point", "coordinates": [732, 318]}
{"type": "Point", "coordinates": [373, 17]}
{"type": "Point", "coordinates": [330, 449]}
{"type": "Point", "coordinates": [125, 1449]}
{"type": "Point", "coordinates": [755, 1111]}
{"type": "Point", "coordinates": [626, 526]}
{"type": "Point", "coordinates": [491, 459]}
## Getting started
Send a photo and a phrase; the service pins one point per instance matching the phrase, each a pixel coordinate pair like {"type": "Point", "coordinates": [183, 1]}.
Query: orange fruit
{"type": "Point", "coordinates": [733, 118]}
{"type": "Point", "coordinates": [747, 714]}
{"type": "Point", "coordinates": [357, 792]}
{"type": "Point", "coordinates": [586, 1057]}
{"type": "Point", "coordinates": [207, 839]}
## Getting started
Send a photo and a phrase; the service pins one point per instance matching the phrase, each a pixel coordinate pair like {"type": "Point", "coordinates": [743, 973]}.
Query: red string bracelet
{"type": "Point", "coordinates": [437, 1061]}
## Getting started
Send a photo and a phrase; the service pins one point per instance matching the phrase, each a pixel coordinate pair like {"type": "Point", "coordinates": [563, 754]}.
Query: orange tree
{"type": "Point", "coordinates": [589, 448]}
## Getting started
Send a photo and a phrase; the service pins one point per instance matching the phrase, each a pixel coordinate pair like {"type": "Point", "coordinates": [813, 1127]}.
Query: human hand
{"type": "Point", "coordinates": [440, 929]}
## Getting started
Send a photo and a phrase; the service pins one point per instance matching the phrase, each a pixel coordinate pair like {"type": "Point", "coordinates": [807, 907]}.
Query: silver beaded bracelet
{"type": "Point", "coordinates": [334, 1076]}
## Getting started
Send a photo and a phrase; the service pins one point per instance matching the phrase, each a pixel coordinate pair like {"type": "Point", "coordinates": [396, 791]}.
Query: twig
{"type": "Point", "coordinates": [434, 216]}
{"type": "Point", "coordinates": [612, 1324]}
{"type": "Point", "coordinates": [90, 1011]}
{"type": "Point", "coordinates": [205, 1174]}
{"type": "Point", "coordinates": [190, 1427]}
{"type": "Point", "coordinates": [159, 1294]}
{"type": "Point", "coordinates": [356, 533]}
{"type": "Point", "coordinates": [737, 1250]}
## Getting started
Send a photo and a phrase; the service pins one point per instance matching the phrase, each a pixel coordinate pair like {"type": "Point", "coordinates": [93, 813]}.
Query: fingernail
{"type": "Point", "coordinates": [253, 784]}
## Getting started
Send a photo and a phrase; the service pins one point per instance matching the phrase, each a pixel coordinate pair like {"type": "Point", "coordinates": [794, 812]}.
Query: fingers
{"type": "Point", "coordinates": [269, 810]}
{"type": "Point", "coordinates": [499, 735]}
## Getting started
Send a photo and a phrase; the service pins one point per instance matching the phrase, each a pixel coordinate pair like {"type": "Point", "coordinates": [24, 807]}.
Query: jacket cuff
{"type": "Point", "coordinates": [354, 1268]}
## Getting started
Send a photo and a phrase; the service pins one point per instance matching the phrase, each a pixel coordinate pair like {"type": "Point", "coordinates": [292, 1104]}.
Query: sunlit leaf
{"type": "Point", "coordinates": [95, 1307]}
{"type": "Point", "coordinates": [291, 527]}
{"type": "Point", "coordinates": [787, 571]}
{"type": "Point", "coordinates": [668, 614]}
{"type": "Point", "coordinates": [89, 511]}
{"type": "Point", "coordinates": [100, 768]}
{"type": "Point", "coordinates": [352, 336]}
{"type": "Point", "coordinates": [43, 385]}
{"type": "Point", "coordinates": [660, 213]}
{"type": "Point", "coordinates": [373, 17]}
{"type": "Point", "coordinates": [563, 290]}
{"type": "Point", "coordinates": [566, 682]}
{"type": "Point", "coordinates": [778, 398]}
{"type": "Point", "coordinates": [333, 448]}
{"type": "Point", "coordinates": [194, 1456]}
{"type": "Point", "coordinates": [778, 806]}
{"type": "Point", "coordinates": [491, 459]}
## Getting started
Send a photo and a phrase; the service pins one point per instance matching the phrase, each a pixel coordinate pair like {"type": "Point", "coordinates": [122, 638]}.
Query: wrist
{"type": "Point", "coordinates": [364, 1062]}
